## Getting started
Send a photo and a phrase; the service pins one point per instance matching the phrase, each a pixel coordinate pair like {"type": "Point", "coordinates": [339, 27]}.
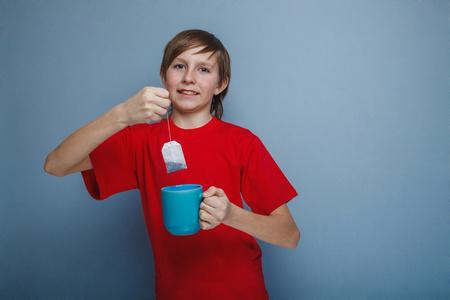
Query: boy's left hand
{"type": "Point", "coordinates": [214, 209]}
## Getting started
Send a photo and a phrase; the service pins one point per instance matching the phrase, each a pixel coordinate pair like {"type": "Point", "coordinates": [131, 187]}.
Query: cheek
{"type": "Point", "coordinates": [212, 84]}
{"type": "Point", "coordinates": [171, 83]}
{"type": "Point", "coordinates": [171, 78]}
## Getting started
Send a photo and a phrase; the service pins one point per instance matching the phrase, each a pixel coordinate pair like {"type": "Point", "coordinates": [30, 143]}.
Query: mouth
{"type": "Point", "coordinates": [187, 92]}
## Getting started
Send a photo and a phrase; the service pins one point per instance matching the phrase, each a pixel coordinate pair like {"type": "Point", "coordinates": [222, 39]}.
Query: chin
{"type": "Point", "coordinates": [185, 109]}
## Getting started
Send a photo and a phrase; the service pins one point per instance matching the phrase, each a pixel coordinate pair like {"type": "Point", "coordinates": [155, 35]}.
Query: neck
{"type": "Point", "coordinates": [190, 121]}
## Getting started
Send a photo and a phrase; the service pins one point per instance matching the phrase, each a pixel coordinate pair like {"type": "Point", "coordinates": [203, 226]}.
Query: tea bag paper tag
{"type": "Point", "coordinates": [173, 157]}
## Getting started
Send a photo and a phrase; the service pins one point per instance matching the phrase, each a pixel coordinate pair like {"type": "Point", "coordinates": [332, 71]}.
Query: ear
{"type": "Point", "coordinates": [220, 87]}
{"type": "Point", "coordinates": [163, 80]}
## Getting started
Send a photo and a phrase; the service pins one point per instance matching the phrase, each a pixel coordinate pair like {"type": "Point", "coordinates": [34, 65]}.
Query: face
{"type": "Point", "coordinates": [192, 79]}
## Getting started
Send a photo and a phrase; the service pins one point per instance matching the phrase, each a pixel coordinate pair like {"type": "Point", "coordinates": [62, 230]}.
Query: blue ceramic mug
{"type": "Point", "coordinates": [180, 207]}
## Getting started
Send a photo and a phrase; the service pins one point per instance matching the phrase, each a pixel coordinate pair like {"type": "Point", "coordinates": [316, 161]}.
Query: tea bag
{"type": "Point", "coordinates": [173, 157]}
{"type": "Point", "coordinates": [173, 154]}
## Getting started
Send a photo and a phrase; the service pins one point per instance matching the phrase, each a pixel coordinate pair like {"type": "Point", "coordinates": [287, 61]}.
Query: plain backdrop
{"type": "Point", "coordinates": [352, 99]}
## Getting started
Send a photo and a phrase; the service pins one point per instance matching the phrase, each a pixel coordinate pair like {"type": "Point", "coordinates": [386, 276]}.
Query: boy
{"type": "Point", "coordinates": [222, 261]}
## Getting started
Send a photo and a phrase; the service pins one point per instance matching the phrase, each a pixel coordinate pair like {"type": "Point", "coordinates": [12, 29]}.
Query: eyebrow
{"type": "Point", "coordinates": [197, 63]}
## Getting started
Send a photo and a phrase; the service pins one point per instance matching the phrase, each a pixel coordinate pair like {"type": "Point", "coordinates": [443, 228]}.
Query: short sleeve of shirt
{"type": "Point", "coordinates": [113, 167]}
{"type": "Point", "coordinates": [263, 185]}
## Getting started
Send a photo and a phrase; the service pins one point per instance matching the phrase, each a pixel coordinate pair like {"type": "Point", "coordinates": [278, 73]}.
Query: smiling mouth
{"type": "Point", "coordinates": [186, 92]}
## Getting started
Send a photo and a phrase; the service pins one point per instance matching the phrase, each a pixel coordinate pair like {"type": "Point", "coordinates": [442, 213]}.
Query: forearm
{"type": "Point", "coordinates": [278, 228]}
{"type": "Point", "coordinates": [72, 155]}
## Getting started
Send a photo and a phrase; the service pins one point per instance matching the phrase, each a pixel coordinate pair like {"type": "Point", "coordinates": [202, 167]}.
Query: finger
{"type": "Point", "coordinates": [208, 207]}
{"type": "Point", "coordinates": [158, 110]}
{"type": "Point", "coordinates": [213, 191]}
{"type": "Point", "coordinates": [160, 92]}
{"type": "Point", "coordinates": [160, 102]}
{"type": "Point", "coordinates": [206, 217]}
{"type": "Point", "coordinates": [205, 225]}
{"type": "Point", "coordinates": [208, 222]}
{"type": "Point", "coordinates": [209, 192]}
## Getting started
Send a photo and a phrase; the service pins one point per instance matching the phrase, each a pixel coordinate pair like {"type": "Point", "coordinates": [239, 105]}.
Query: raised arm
{"type": "Point", "coordinates": [72, 155]}
{"type": "Point", "coordinates": [277, 228]}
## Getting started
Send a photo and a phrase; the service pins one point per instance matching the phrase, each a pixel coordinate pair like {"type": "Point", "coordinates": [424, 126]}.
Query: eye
{"type": "Point", "coordinates": [204, 70]}
{"type": "Point", "coordinates": [179, 66]}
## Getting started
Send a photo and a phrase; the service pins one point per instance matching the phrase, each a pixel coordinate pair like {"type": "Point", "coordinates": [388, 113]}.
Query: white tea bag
{"type": "Point", "coordinates": [173, 157]}
{"type": "Point", "coordinates": [173, 154]}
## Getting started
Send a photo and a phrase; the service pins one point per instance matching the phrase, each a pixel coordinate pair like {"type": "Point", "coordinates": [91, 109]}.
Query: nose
{"type": "Point", "coordinates": [189, 76]}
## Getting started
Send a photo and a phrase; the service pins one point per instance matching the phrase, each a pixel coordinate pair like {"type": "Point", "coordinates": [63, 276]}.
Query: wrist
{"type": "Point", "coordinates": [233, 215]}
{"type": "Point", "coordinates": [117, 117]}
{"type": "Point", "coordinates": [111, 122]}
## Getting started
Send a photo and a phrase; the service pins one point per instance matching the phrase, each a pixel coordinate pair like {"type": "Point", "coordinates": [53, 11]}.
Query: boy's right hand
{"type": "Point", "coordinates": [149, 105]}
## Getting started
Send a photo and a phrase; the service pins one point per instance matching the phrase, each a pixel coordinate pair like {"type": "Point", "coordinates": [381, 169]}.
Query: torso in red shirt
{"type": "Point", "coordinates": [222, 263]}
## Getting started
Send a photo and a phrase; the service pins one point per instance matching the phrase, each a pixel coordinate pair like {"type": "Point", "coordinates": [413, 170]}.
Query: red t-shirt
{"type": "Point", "coordinates": [221, 263]}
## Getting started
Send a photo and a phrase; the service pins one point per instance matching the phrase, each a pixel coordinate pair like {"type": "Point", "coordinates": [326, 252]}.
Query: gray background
{"type": "Point", "coordinates": [352, 98]}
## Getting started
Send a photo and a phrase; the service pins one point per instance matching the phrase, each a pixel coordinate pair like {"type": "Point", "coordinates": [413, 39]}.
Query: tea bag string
{"type": "Point", "coordinates": [168, 126]}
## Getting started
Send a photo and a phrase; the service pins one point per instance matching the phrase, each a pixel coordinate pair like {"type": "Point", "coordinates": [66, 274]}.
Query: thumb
{"type": "Point", "coordinates": [209, 192]}
{"type": "Point", "coordinates": [213, 191]}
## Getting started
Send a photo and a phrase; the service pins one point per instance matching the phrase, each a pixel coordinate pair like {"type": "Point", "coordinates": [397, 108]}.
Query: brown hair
{"type": "Point", "coordinates": [189, 39]}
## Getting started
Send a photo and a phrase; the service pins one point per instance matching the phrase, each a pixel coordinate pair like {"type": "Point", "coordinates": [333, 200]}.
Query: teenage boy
{"type": "Point", "coordinates": [120, 151]}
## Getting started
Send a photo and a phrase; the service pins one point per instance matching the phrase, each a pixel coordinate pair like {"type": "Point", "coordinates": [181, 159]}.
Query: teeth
{"type": "Point", "coordinates": [188, 92]}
